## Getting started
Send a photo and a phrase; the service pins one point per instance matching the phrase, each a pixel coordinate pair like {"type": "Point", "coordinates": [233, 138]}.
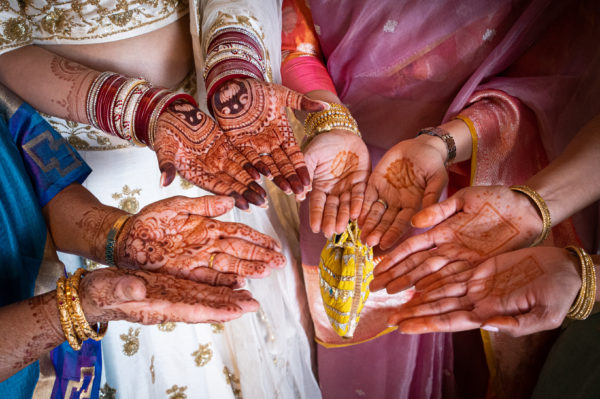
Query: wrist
{"type": "Point", "coordinates": [435, 142]}
{"type": "Point", "coordinates": [543, 214]}
{"type": "Point", "coordinates": [100, 241]}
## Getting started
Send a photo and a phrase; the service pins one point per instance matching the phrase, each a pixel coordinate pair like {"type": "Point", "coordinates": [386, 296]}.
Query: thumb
{"type": "Point", "coordinates": [298, 101]}
{"type": "Point", "coordinates": [522, 324]}
{"type": "Point", "coordinates": [437, 213]}
{"type": "Point", "coordinates": [129, 288]}
{"type": "Point", "coordinates": [166, 149]}
{"type": "Point", "coordinates": [435, 186]}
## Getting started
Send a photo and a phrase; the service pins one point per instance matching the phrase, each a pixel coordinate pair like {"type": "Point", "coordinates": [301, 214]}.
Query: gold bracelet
{"type": "Point", "coordinates": [582, 307]}
{"type": "Point", "coordinates": [65, 317]}
{"type": "Point", "coordinates": [111, 239]}
{"type": "Point", "coordinates": [542, 208]}
{"type": "Point", "coordinates": [337, 116]}
{"type": "Point", "coordinates": [82, 327]}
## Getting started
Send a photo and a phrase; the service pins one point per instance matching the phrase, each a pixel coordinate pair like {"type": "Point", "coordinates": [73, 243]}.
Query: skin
{"type": "Point", "coordinates": [512, 220]}
{"type": "Point", "coordinates": [517, 293]}
{"type": "Point", "coordinates": [253, 116]}
{"type": "Point", "coordinates": [32, 327]}
{"type": "Point", "coordinates": [339, 164]}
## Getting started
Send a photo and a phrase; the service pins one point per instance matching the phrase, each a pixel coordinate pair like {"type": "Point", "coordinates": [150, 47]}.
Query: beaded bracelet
{"type": "Point", "coordinates": [582, 307]}
{"type": "Point", "coordinates": [542, 208]}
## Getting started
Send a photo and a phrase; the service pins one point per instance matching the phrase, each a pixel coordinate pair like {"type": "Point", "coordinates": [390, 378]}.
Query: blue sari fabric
{"type": "Point", "coordinates": [36, 165]}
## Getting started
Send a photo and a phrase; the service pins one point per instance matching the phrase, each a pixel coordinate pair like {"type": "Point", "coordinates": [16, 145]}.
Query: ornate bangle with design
{"type": "Point", "coordinates": [66, 322]}
{"type": "Point", "coordinates": [337, 116]}
{"type": "Point", "coordinates": [82, 327]}
{"type": "Point", "coordinates": [542, 208]}
{"type": "Point", "coordinates": [584, 303]}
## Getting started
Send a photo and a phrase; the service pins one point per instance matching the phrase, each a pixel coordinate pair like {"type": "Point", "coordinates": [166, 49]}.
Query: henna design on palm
{"type": "Point", "coordinates": [153, 298]}
{"type": "Point", "coordinates": [252, 114]}
{"type": "Point", "coordinates": [178, 236]}
{"type": "Point", "coordinates": [189, 142]}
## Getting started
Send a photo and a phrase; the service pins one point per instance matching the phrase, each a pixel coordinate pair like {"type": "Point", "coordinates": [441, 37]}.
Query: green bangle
{"type": "Point", "coordinates": [111, 239]}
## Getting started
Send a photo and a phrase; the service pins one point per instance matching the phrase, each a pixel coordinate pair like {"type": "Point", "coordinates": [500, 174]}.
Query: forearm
{"type": "Point", "coordinates": [29, 329]}
{"type": "Point", "coordinates": [50, 83]}
{"type": "Point", "coordinates": [572, 182]}
{"type": "Point", "coordinates": [79, 223]}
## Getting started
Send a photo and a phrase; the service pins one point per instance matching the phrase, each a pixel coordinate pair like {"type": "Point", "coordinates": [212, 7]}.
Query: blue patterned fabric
{"type": "Point", "coordinates": [36, 165]}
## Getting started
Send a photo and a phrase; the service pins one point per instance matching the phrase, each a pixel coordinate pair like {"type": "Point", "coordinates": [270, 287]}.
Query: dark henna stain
{"type": "Point", "coordinates": [515, 277]}
{"type": "Point", "coordinates": [344, 163]}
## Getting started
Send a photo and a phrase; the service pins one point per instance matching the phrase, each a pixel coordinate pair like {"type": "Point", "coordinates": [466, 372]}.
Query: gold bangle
{"type": "Point", "coordinates": [584, 303]}
{"type": "Point", "coordinates": [65, 317]}
{"type": "Point", "coordinates": [111, 239]}
{"type": "Point", "coordinates": [82, 327]}
{"type": "Point", "coordinates": [337, 116]}
{"type": "Point", "coordinates": [542, 208]}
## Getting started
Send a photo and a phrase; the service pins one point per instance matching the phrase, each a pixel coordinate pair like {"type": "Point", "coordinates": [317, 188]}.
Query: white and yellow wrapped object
{"type": "Point", "coordinates": [345, 271]}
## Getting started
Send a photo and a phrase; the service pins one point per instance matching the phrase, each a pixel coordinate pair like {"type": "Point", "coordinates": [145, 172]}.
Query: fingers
{"type": "Point", "coordinates": [215, 278]}
{"type": "Point", "coordinates": [382, 279]}
{"type": "Point", "coordinates": [437, 213]}
{"type": "Point", "coordinates": [400, 225]}
{"type": "Point", "coordinates": [235, 187]}
{"type": "Point", "coordinates": [166, 149]}
{"type": "Point", "coordinates": [370, 197]}
{"type": "Point", "coordinates": [449, 322]}
{"type": "Point", "coordinates": [286, 168]}
{"type": "Point", "coordinates": [371, 221]}
{"type": "Point", "coordinates": [450, 269]}
{"type": "Point", "coordinates": [226, 263]}
{"type": "Point", "coordinates": [209, 205]}
{"type": "Point", "coordinates": [244, 250]}
{"type": "Point", "coordinates": [293, 152]}
{"type": "Point", "coordinates": [316, 203]}
{"type": "Point", "coordinates": [128, 288]}
{"type": "Point", "coordinates": [411, 245]}
{"type": "Point", "coordinates": [299, 101]}
{"type": "Point", "coordinates": [357, 198]}
{"type": "Point", "coordinates": [244, 232]}
{"type": "Point", "coordinates": [343, 214]}
{"type": "Point", "coordinates": [252, 156]}
{"type": "Point", "coordinates": [435, 308]}
{"type": "Point", "coordinates": [254, 193]}
{"type": "Point", "coordinates": [330, 213]}
{"type": "Point", "coordinates": [276, 175]}
{"type": "Point", "coordinates": [245, 163]}
{"type": "Point", "coordinates": [522, 324]}
{"type": "Point", "coordinates": [429, 266]}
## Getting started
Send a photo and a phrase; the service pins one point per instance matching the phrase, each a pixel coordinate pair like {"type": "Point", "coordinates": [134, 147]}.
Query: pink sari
{"type": "Point", "coordinates": [403, 65]}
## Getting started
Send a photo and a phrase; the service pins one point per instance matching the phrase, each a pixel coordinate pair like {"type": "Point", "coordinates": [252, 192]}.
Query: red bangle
{"type": "Point", "coordinates": [233, 37]}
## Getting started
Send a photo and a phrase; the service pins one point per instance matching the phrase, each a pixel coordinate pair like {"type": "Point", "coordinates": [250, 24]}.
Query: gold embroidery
{"type": "Point", "coordinates": [217, 328]}
{"type": "Point", "coordinates": [131, 342]}
{"type": "Point", "coordinates": [107, 392]}
{"type": "Point", "coordinates": [75, 386]}
{"type": "Point", "coordinates": [176, 392]}
{"type": "Point", "coordinates": [203, 355]}
{"type": "Point", "coordinates": [25, 22]}
{"type": "Point", "coordinates": [185, 184]}
{"type": "Point", "coordinates": [234, 382]}
{"type": "Point", "coordinates": [167, 326]}
{"type": "Point", "coordinates": [152, 370]}
{"type": "Point", "coordinates": [128, 202]}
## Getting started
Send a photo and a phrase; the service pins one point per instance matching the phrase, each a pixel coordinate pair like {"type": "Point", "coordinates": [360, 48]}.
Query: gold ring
{"type": "Point", "coordinates": [264, 154]}
{"type": "Point", "coordinates": [382, 202]}
{"type": "Point", "coordinates": [211, 260]}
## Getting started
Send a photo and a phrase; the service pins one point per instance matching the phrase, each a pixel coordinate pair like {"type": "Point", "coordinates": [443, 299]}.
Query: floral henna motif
{"type": "Point", "coordinates": [153, 298]}
{"type": "Point", "coordinates": [170, 236]}
{"type": "Point", "coordinates": [80, 79]}
{"type": "Point", "coordinates": [344, 163]}
{"type": "Point", "coordinates": [400, 174]}
{"type": "Point", "coordinates": [253, 116]}
{"type": "Point", "coordinates": [189, 142]}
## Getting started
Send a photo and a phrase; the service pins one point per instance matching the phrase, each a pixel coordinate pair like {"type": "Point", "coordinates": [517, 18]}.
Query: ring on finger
{"type": "Point", "coordinates": [264, 154]}
{"type": "Point", "coordinates": [382, 202]}
{"type": "Point", "coordinates": [211, 260]}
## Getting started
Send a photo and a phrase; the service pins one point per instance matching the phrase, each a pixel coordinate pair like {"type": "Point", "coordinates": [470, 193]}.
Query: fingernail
{"type": "Point", "coordinates": [490, 328]}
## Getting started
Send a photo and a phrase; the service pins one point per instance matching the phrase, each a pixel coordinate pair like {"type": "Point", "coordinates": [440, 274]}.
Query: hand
{"type": "Point", "coordinates": [474, 224]}
{"type": "Point", "coordinates": [411, 174]}
{"type": "Point", "coordinates": [189, 142]}
{"type": "Point", "coordinates": [152, 298]}
{"type": "Point", "coordinates": [177, 236]}
{"type": "Point", "coordinates": [338, 163]}
{"type": "Point", "coordinates": [517, 293]}
{"type": "Point", "coordinates": [252, 114]}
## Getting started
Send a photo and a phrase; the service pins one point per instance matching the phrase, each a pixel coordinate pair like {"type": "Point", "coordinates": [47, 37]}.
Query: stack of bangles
{"type": "Point", "coordinates": [336, 117]}
{"type": "Point", "coordinates": [129, 107]}
{"type": "Point", "coordinates": [582, 307]}
{"type": "Point", "coordinates": [72, 319]}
